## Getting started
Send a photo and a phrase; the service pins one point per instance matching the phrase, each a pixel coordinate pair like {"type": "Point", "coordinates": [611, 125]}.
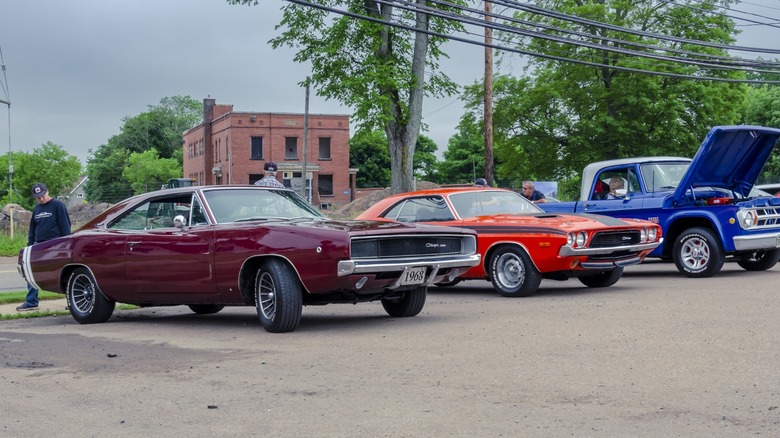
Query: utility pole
{"type": "Point", "coordinates": [305, 141]}
{"type": "Point", "coordinates": [488, 95]}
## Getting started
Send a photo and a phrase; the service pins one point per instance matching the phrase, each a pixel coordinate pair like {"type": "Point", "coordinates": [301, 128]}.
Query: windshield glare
{"type": "Point", "coordinates": [663, 176]}
{"type": "Point", "coordinates": [488, 202]}
{"type": "Point", "coordinates": [232, 205]}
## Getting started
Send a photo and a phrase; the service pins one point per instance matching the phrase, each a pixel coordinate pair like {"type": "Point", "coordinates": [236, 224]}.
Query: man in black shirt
{"type": "Point", "coordinates": [531, 194]}
{"type": "Point", "coordinates": [49, 220]}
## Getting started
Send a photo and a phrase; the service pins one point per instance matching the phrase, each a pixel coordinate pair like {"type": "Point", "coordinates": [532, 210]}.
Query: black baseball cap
{"type": "Point", "coordinates": [270, 166]}
{"type": "Point", "coordinates": [39, 190]}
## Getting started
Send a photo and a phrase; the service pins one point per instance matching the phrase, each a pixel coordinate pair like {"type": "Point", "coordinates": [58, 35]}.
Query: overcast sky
{"type": "Point", "coordinates": [76, 68]}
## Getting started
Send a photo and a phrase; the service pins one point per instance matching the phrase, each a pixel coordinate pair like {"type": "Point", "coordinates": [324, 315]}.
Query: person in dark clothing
{"type": "Point", "coordinates": [49, 220]}
{"type": "Point", "coordinates": [531, 194]}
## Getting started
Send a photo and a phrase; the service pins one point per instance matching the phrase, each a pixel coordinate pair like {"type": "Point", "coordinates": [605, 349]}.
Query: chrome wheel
{"type": "Point", "coordinates": [510, 271]}
{"type": "Point", "coordinates": [82, 293]}
{"type": "Point", "coordinates": [266, 291]}
{"type": "Point", "coordinates": [86, 302]}
{"type": "Point", "coordinates": [695, 253]}
{"type": "Point", "coordinates": [278, 296]}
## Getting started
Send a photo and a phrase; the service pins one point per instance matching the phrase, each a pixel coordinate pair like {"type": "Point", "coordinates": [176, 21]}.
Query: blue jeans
{"type": "Point", "coordinates": [32, 296]}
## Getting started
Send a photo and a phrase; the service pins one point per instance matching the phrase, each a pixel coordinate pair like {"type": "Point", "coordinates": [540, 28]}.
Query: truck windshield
{"type": "Point", "coordinates": [663, 176]}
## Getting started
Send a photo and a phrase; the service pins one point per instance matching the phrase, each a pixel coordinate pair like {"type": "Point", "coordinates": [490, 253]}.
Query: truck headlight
{"type": "Point", "coordinates": [748, 218]}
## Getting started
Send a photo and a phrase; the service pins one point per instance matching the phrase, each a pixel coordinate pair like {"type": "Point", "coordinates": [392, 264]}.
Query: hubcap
{"type": "Point", "coordinates": [83, 294]}
{"type": "Point", "coordinates": [510, 270]}
{"type": "Point", "coordinates": [695, 254]}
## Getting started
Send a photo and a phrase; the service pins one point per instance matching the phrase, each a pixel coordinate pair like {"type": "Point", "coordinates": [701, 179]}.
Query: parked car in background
{"type": "Point", "coordinates": [520, 244]}
{"type": "Point", "coordinates": [213, 246]}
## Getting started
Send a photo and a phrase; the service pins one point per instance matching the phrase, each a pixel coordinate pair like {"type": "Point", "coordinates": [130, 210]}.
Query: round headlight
{"type": "Point", "coordinates": [643, 235]}
{"type": "Point", "coordinates": [652, 234]}
{"type": "Point", "coordinates": [570, 239]}
{"type": "Point", "coordinates": [750, 219]}
{"type": "Point", "coordinates": [582, 239]}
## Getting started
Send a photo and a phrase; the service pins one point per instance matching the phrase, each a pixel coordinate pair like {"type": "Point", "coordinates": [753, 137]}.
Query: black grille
{"type": "Point", "coordinates": [606, 239]}
{"type": "Point", "coordinates": [408, 246]}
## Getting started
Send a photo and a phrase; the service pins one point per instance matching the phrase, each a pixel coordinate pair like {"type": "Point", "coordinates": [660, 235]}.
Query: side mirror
{"type": "Point", "coordinates": [179, 221]}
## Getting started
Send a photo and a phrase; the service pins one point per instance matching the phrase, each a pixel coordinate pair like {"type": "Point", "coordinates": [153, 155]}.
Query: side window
{"type": "Point", "coordinates": [154, 214]}
{"type": "Point", "coordinates": [427, 209]}
{"type": "Point", "coordinates": [135, 219]}
{"type": "Point", "coordinates": [615, 184]}
{"type": "Point", "coordinates": [198, 215]}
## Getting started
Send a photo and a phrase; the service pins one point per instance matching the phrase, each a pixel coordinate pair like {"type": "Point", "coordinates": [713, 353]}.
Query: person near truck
{"type": "Point", "coordinates": [49, 220]}
{"type": "Point", "coordinates": [530, 193]}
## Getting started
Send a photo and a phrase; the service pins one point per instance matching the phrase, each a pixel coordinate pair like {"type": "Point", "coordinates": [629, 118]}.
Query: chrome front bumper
{"type": "Point", "coordinates": [758, 241]}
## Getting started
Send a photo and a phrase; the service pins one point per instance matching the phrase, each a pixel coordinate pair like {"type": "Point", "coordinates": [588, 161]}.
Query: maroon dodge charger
{"type": "Point", "coordinates": [207, 247]}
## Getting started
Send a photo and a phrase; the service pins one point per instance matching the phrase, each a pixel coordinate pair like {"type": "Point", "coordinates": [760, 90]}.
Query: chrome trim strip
{"type": "Point", "coordinates": [27, 267]}
{"type": "Point", "coordinates": [375, 266]}
{"type": "Point", "coordinates": [567, 251]}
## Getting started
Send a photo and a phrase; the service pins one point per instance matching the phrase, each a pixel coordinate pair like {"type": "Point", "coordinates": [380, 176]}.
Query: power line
{"type": "Point", "coordinates": [541, 55]}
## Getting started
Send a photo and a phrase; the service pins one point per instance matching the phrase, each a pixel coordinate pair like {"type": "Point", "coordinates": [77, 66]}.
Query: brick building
{"type": "Point", "coordinates": [232, 147]}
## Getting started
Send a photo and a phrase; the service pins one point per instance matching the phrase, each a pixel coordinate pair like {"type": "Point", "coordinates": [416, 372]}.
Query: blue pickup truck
{"type": "Point", "coordinates": [706, 207]}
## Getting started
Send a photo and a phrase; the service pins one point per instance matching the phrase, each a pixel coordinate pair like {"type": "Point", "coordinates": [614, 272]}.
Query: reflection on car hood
{"type": "Point", "coordinates": [565, 222]}
{"type": "Point", "coordinates": [730, 157]}
{"type": "Point", "coordinates": [373, 226]}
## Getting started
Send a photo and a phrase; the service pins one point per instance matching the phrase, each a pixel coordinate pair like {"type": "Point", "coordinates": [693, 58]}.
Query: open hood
{"type": "Point", "coordinates": [730, 157]}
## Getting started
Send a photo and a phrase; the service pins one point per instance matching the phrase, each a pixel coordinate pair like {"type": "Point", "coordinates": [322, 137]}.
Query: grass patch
{"type": "Point", "coordinates": [11, 247]}
{"type": "Point", "coordinates": [20, 296]}
{"type": "Point", "coordinates": [34, 314]}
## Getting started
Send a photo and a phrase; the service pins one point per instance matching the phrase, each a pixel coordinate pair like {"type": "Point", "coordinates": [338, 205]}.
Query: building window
{"type": "Point", "coordinates": [256, 148]}
{"type": "Point", "coordinates": [324, 148]}
{"type": "Point", "coordinates": [325, 185]}
{"type": "Point", "coordinates": [254, 177]}
{"type": "Point", "coordinates": [291, 148]}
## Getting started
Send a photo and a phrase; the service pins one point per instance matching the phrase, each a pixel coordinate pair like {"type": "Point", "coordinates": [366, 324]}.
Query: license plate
{"type": "Point", "coordinates": [413, 276]}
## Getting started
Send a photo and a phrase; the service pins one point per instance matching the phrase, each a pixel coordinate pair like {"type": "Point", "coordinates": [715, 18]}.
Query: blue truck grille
{"type": "Point", "coordinates": [607, 239]}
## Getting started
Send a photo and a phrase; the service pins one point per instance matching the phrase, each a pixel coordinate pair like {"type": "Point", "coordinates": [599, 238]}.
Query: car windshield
{"type": "Point", "coordinates": [663, 176]}
{"type": "Point", "coordinates": [491, 202]}
{"type": "Point", "coordinates": [234, 205]}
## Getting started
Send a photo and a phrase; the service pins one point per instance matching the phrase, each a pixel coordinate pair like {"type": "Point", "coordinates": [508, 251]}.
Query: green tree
{"type": "Point", "coordinates": [381, 71]}
{"type": "Point", "coordinates": [762, 107]}
{"type": "Point", "coordinates": [425, 161]}
{"type": "Point", "coordinates": [147, 171]}
{"type": "Point", "coordinates": [160, 129]}
{"type": "Point", "coordinates": [49, 164]}
{"type": "Point", "coordinates": [464, 159]}
{"type": "Point", "coordinates": [560, 116]}
{"type": "Point", "coordinates": [368, 153]}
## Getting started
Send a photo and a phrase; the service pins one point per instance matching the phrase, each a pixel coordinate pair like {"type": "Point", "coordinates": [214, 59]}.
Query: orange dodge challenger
{"type": "Point", "coordinates": [520, 244]}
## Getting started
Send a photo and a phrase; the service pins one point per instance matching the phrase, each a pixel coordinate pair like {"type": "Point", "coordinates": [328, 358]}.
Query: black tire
{"type": "Point", "coordinates": [205, 309]}
{"type": "Point", "coordinates": [448, 283]}
{"type": "Point", "coordinates": [603, 279]}
{"type": "Point", "coordinates": [512, 273]}
{"type": "Point", "coordinates": [760, 260]}
{"type": "Point", "coordinates": [278, 297]}
{"type": "Point", "coordinates": [697, 253]}
{"type": "Point", "coordinates": [86, 302]}
{"type": "Point", "coordinates": [410, 303]}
